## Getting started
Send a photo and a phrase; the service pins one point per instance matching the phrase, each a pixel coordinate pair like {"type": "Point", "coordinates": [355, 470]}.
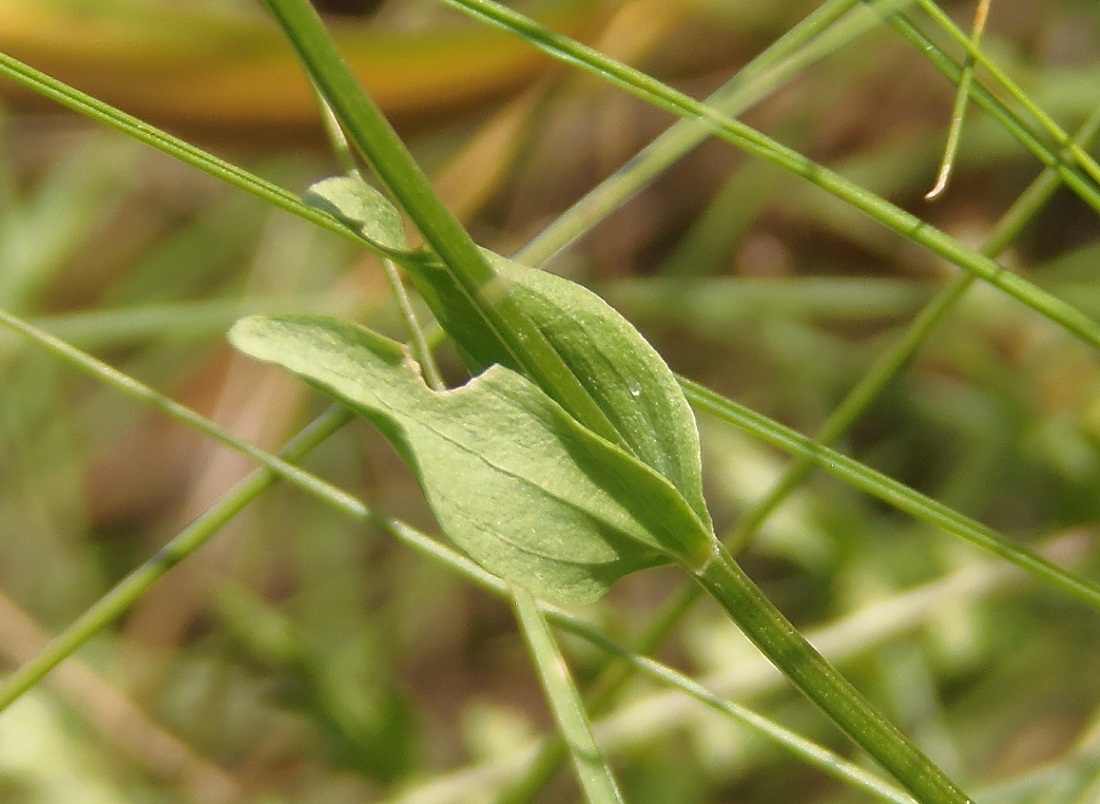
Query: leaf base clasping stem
{"type": "Point", "coordinates": [788, 650]}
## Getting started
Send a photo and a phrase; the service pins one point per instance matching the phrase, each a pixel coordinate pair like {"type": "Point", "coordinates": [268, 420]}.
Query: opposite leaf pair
{"type": "Point", "coordinates": [513, 478]}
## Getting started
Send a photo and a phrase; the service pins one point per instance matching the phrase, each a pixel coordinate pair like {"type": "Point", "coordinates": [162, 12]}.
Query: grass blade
{"type": "Point", "coordinates": [134, 586]}
{"type": "Point", "coordinates": [154, 399]}
{"type": "Point", "coordinates": [593, 772]}
{"type": "Point", "coordinates": [94, 109]}
{"type": "Point", "coordinates": [889, 491]}
{"type": "Point", "coordinates": [974, 55]}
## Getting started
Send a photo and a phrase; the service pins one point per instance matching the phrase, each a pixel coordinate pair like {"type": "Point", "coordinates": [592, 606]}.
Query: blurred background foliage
{"type": "Point", "coordinates": [302, 657]}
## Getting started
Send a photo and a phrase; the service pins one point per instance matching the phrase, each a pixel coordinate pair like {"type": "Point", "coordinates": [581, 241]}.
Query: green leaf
{"type": "Point", "coordinates": [364, 210]}
{"type": "Point", "coordinates": [375, 220]}
{"type": "Point", "coordinates": [514, 480]}
{"type": "Point", "coordinates": [618, 368]}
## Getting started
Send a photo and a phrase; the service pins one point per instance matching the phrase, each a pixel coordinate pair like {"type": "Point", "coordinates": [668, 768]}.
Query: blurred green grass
{"type": "Point", "coordinates": [303, 657]}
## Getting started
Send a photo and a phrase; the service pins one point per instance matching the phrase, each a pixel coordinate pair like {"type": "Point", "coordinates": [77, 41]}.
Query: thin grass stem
{"type": "Point", "coordinates": [891, 362]}
{"type": "Point", "coordinates": [821, 33]}
{"type": "Point", "coordinates": [890, 491]}
{"type": "Point", "coordinates": [1079, 174]}
{"type": "Point", "coordinates": [130, 589]}
{"type": "Point", "coordinates": [594, 774]}
{"type": "Point", "coordinates": [127, 385]}
{"type": "Point", "coordinates": [777, 639]}
{"type": "Point", "coordinates": [118, 120]}
{"type": "Point", "coordinates": [345, 155]}
{"type": "Point", "coordinates": [374, 137]}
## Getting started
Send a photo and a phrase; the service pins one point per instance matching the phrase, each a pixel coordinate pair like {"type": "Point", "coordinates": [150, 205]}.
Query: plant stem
{"type": "Point", "coordinates": [592, 769]}
{"type": "Point", "coordinates": [124, 383]}
{"type": "Point", "coordinates": [485, 298]}
{"type": "Point", "coordinates": [894, 493]}
{"type": "Point", "coordinates": [1075, 153]}
{"type": "Point", "coordinates": [785, 647]}
{"type": "Point", "coordinates": [95, 109]}
{"type": "Point", "coordinates": [345, 156]}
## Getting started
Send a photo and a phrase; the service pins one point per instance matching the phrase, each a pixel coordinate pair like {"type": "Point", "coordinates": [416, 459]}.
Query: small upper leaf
{"type": "Point", "coordinates": [521, 486]}
{"type": "Point", "coordinates": [364, 210]}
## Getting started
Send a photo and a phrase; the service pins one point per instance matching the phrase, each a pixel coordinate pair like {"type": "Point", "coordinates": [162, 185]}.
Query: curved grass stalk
{"type": "Point", "coordinates": [1070, 171]}
{"type": "Point", "coordinates": [1075, 171]}
{"type": "Point", "coordinates": [958, 112]}
{"type": "Point", "coordinates": [975, 55]}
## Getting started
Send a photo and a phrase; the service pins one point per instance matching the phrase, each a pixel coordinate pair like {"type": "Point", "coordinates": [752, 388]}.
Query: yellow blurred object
{"type": "Point", "coordinates": [225, 66]}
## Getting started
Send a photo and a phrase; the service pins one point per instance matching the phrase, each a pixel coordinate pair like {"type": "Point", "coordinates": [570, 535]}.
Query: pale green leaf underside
{"type": "Point", "coordinates": [513, 479]}
{"type": "Point", "coordinates": [624, 374]}
{"type": "Point", "coordinates": [626, 377]}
